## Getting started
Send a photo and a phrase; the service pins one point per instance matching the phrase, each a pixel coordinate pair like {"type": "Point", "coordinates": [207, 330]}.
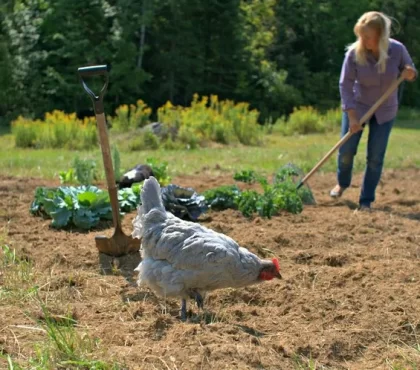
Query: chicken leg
{"type": "Point", "coordinates": [199, 300]}
{"type": "Point", "coordinates": [184, 309]}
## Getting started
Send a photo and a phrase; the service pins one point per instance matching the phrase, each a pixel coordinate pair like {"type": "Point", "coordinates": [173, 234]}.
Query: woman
{"type": "Point", "coordinates": [370, 65]}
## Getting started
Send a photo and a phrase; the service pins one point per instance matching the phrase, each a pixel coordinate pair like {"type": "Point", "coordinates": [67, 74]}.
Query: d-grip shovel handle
{"type": "Point", "coordinates": [97, 100]}
{"type": "Point", "coordinates": [93, 70]}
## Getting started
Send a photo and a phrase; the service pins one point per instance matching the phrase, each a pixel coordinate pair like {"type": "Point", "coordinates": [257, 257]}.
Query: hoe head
{"type": "Point", "coordinates": [291, 172]}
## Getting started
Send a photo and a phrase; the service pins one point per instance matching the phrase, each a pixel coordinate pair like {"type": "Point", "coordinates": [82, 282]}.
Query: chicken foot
{"type": "Point", "coordinates": [199, 300]}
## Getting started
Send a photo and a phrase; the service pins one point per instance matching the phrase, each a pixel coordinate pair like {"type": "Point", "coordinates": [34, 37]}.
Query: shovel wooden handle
{"type": "Point", "coordinates": [347, 136]}
{"type": "Point", "coordinates": [109, 170]}
{"type": "Point", "coordinates": [98, 105]}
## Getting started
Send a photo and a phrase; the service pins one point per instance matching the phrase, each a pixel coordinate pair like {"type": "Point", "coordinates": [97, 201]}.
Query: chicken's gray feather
{"type": "Point", "coordinates": [180, 255]}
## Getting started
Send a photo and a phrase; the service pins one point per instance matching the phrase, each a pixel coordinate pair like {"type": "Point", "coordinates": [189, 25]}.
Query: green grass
{"type": "Point", "coordinates": [64, 345]}
{"type": "Point", "coordinates": [304, 151]}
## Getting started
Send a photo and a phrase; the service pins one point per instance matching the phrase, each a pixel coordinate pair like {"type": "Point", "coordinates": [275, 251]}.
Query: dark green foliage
{"type": "Point", "coordinates": [82, 206]}
{"type": "Point", "coordinates": [290, 174]}
{"type": "Point", "coordinates": [85, 170]}
{"type": "Point", "coordinates": [223, 197]}
{"type": "Point", "coordinates": [129, 198]}
{"type": "Point", "coordinates": [160, 171]}
{"type": "Point", "coordinates": [275, 198]}
{"type": "Point", "coordinates": [184, 203]}
{"type": "Point", "coordinates": [279, 196]}
{"type": "Point", "coordinates": [274, 54]}
{"type": "Point", "coordinates": [116, 162]}
{"type": "Point", "coordinates": [67, 177]}
{"type": "Point", "coordinates": [247, 176]}
{"type": "Point", "coordinates": [247, 202]}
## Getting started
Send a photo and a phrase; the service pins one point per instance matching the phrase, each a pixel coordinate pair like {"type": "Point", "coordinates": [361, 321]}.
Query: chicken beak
{"type": "Point", "coordinates": [278, 276]}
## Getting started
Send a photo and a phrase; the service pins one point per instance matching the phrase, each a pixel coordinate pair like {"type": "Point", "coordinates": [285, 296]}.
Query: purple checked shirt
{"type": "Point", "coordinates": [362, 85]}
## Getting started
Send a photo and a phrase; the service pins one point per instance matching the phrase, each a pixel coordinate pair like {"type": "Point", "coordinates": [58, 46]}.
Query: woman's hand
{"type": "Point", "coordinates": [409, 73]}
{"type": "Point", "coordinates": [354, 124]}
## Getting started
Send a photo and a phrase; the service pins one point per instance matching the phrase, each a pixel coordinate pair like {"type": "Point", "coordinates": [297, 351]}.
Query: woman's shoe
{"type": "Point", "coordinates": [363, 208]}
{"type": "Point", "coordinates": [337, 192]}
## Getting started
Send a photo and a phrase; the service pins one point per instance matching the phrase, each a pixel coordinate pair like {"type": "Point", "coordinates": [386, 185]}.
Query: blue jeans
{"type": "Point", "coordinates": [376, 149]}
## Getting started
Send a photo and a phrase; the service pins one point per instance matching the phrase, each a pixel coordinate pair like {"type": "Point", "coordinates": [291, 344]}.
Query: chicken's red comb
{"type": "Point", "coordinates": [276, 263]}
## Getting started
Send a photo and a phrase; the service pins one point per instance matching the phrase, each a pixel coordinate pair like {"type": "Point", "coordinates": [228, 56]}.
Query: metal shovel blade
{"type": "Point", "coordinates": [120, 251]}
{"type": "Point", "coordinates": [118, 244]}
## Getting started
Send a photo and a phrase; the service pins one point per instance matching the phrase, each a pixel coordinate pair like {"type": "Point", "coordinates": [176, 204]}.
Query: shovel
{"type": "Point", "coordinates": [120, 249]}
{"type": "Point", "coordinates": [346, 137]}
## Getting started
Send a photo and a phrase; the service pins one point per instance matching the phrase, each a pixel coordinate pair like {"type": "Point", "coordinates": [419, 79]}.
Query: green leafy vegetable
{"type": "Point", "coordinates": [160, 171]}
{"type": "Point", "coordinates": [291, 174]}
{"type": "Point", "coordinates": [247, 176]}
{"type": "Point", "coordinates": [82, 206]}
{"type": "Point", "coordinates": [288, 172]}
{"type": "Point", "coordinates": [85, 170]}
{"type": "Point", "coordinates": [84, 218]}
{"type": "Point", "coordinates": [269, 203]}
{"type": "Point", "coordinates": [60, 217]}
{"type": "Point", "coordinates": [128, 199]}
{"type": "Point", "coordinates": [116, 161]}
{"type": "Point", "coordinates": [137, 189]}
{"type": "Point", "coordinates": [250, 177]}
{"type": "Point", "coordinates": [247, 202]}
{"type": "Point", "coordinates": [223, 197]}
{"type": "Point", "coordinates": [67, 177]}
{"type": "Point", "coordinates": [274, 198]}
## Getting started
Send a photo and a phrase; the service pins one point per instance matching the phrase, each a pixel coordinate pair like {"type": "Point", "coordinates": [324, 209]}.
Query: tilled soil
{"type": "Point", "coordinates": [349, 298]}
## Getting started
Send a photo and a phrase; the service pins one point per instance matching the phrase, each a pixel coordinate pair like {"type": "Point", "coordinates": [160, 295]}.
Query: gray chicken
{"type": "Point", "coordinates": [184, 259]}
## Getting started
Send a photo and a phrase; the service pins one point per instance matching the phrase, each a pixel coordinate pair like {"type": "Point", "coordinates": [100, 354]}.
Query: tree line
{"type": "Point", "coordinates": [275, 54]}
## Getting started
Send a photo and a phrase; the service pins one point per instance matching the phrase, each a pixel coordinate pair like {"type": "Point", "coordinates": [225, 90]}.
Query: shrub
{"type": "Point", "coordinates": [160, 171]}
{"type": "Point", "coordinates": [85, 170]}
{"type": "Point", "coordinates": [208, 119]}
{"type": "Point", "coordinates": [57, 130]}
{"type": "Point", "coordinates": [281, 195]}
{"type": "Point", "coordinates": [143, 141]}
{"type": "Point", "coordinates": [170, 144]}
{"type": "Point", "coordinates": [303, 120]}
{"type": "Point", "coordinates": [332, 119]}
{"type": "Point", "coordinates": [242, 120]}
{"type": "Point", "coordinates": [222, 197]}
{"type": "Point", "coordinates": [67, 177]}
{"type": "Point", "coordinates": [306, 120]}
{"type": "Point", "coordinates": [408, 114]}
{"type": "Point", "coordinates": [170, 115]}
{"type": "Point", "coordinates": [132, 116]}
{"type": "Point", "coordinates": [188, 137]}
{"type": "Point", "coordinates": [25, 132]}
{"type": "Point", "coordinates": [116, 161]}
{"type": "Point", "coordinates": [121, 121]}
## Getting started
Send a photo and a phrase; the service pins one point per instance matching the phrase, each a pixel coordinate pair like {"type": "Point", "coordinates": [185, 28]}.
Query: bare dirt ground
{"type": "Point", "coordinates": [350, 297]}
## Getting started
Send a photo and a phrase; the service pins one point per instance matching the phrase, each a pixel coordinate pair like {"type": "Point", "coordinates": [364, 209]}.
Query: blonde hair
{"type": "Point", "coordinates": [382, 24]}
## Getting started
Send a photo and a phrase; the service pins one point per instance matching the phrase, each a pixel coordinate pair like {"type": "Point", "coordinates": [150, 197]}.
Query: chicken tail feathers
{"type": "Point", "coordinates": [151, 195]}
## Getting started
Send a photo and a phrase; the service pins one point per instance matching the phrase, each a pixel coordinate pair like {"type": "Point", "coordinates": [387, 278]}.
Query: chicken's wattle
{"type": "Point", "coordinates": [265, 275]}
